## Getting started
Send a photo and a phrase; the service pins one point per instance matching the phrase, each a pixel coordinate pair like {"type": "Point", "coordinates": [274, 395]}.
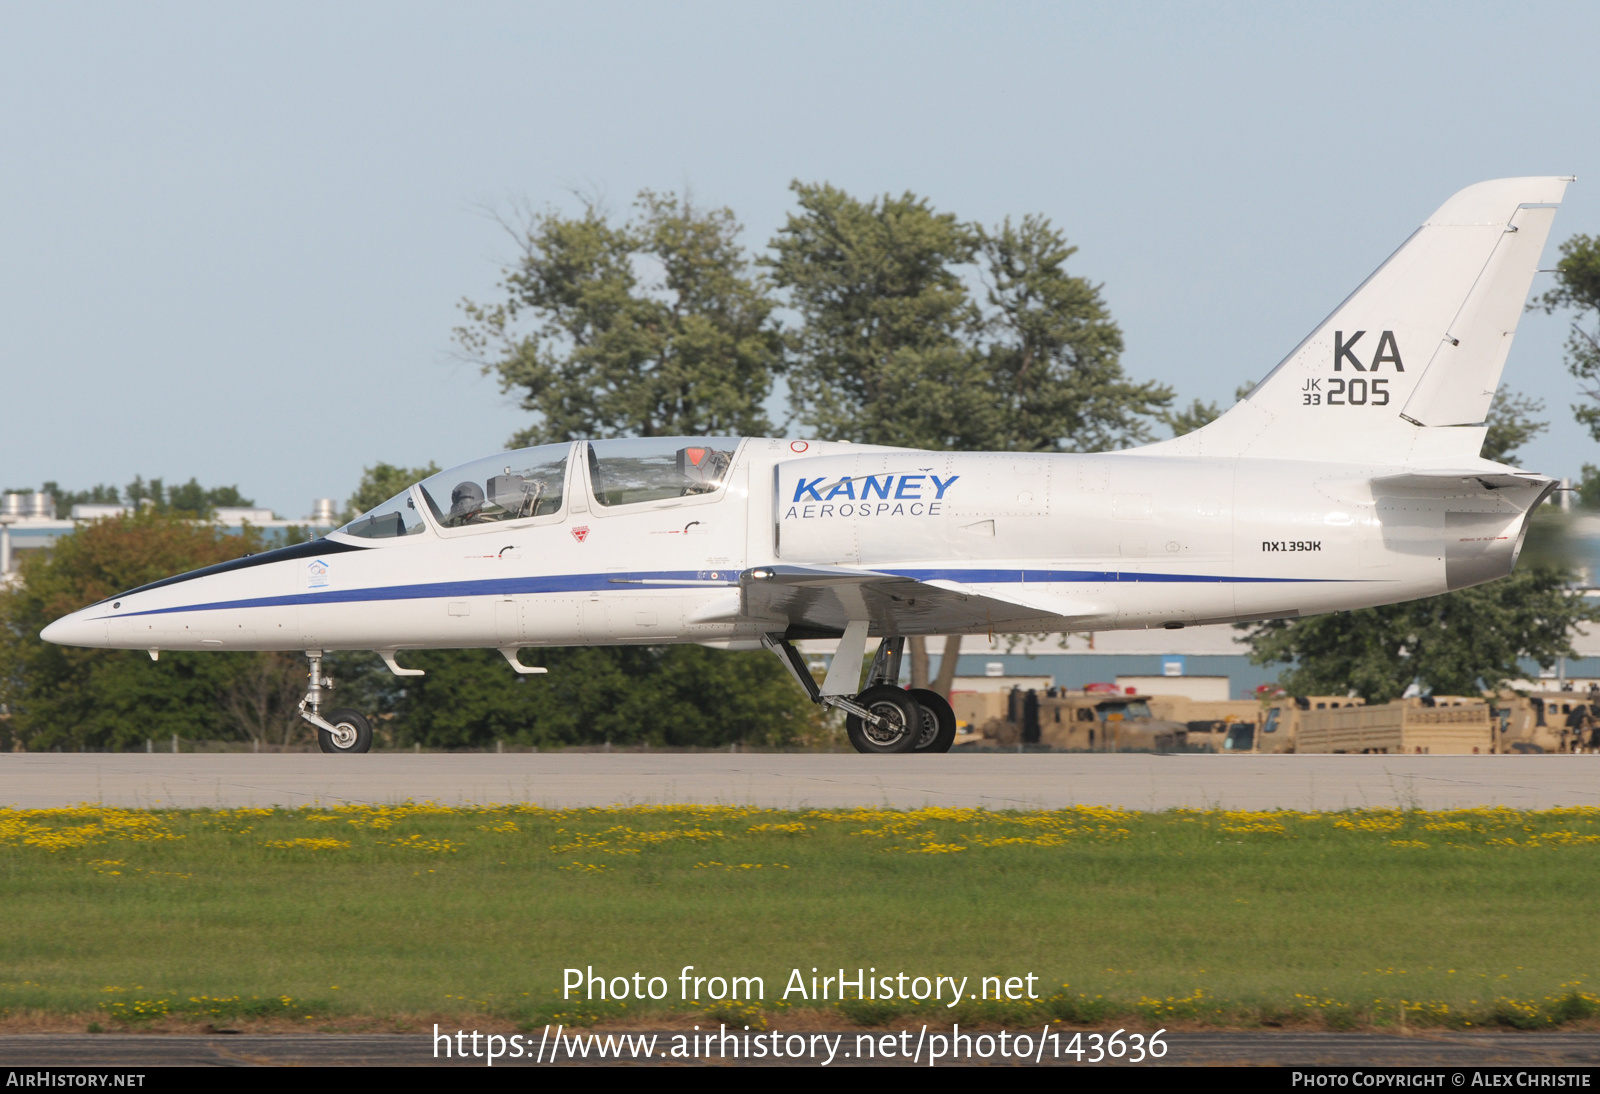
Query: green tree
{"type": "Point", "coordinates": [882, 353]}
{"type": "Point", "coordinates": [1455, 644]}
{"type": "Point", "coordinates": [96, 495]}
{"type": "Point", "coordinates": [380, 482]}
{"type": "Point", "coordinates": [1578, 288]}
{"type": "Point", "coordinates": [79, 698]}
{"type": "Point", "coordinates": [189, 499]}
{"type": "Point", "coordinates": [655, 327]}
{"type": "Point", "coordinates": [1589, 487]}
{"type": "Point", "coordinates": [1051, 352]}
{"type": "Point", "coordinates": [192, 498]}
{"type": "Point", "coordinates": [1511, 425]}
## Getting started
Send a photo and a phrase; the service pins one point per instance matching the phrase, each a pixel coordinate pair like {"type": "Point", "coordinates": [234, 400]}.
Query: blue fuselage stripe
{"type": "Point", "coordinates": [1097, 577]}
{"type": "Point", "coordinates": [499, 586]}
{"type": "Point", "coordinates": [682, 579]}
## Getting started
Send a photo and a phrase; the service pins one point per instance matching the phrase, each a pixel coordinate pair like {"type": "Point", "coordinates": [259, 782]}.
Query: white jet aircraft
{"type": "Point", "coordinates": [1349, 477]}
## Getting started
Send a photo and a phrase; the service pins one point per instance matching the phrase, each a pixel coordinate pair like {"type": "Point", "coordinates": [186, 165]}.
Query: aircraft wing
{"type": "Point", "coordinates": [817, 602]}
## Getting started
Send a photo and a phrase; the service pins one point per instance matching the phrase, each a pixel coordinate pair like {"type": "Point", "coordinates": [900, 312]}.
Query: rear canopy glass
{"type": "Point", "coordinates": [658, 468]}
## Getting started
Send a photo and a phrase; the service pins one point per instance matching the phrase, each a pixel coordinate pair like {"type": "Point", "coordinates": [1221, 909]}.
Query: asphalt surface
{"type": "Point", "coordinates": [993, 780]}
{"type": "Point", "coordinates": [133, 1051]}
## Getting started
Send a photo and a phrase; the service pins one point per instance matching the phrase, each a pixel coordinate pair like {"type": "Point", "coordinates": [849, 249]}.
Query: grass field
{"type": "Point", "coordinates": [408, 914]}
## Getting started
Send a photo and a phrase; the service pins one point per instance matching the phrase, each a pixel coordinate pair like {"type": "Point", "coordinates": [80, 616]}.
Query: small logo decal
{"type": "Point", "coordinates": [798, 446]}
{"type": "Point", "coordinates": [580, 533]}
{"type": "Point", "coordinates": [317, 575]}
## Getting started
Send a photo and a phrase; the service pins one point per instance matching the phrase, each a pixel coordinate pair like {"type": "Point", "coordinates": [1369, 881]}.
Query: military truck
{"type": "Point", "coordinates": [1541, 722]}
{"type": "Point", "coordinates": [1276, 727]}
{"type": "Point", "coordinates": [1435, 725]}
{"type": "Point", "coordinates": [1210, 723]}
{"type": "Point", "coordinates": [1089, 721]}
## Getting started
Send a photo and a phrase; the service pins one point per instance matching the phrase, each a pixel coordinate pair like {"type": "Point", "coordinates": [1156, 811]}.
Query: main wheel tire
{"type": "Point", "coordinates": [902, 721]}
{"type": "Point", "coordinates": [938, 722]}
{"type": "Point", "coordinates": [354, 732]}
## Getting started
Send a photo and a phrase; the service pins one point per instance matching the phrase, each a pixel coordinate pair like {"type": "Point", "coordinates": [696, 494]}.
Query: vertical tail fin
{"type": "Point", "coordinates": [1405, 369]}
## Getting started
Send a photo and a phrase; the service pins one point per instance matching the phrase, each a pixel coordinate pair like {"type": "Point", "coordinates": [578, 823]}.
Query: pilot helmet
{"type": "Point", "coordinates": [465, 499]}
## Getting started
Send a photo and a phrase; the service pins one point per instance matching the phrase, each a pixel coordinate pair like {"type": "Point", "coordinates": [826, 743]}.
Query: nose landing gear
{"type": "Point", "coordinates": [343, 730]}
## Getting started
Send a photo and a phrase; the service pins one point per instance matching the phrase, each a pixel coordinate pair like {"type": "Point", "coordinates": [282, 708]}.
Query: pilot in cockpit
{"type": "Point", "coordinates": [466, 505]}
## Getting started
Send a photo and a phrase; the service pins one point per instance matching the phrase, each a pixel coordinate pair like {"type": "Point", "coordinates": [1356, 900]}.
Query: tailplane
{"type": "Point", "coordinates": [1405, 369]}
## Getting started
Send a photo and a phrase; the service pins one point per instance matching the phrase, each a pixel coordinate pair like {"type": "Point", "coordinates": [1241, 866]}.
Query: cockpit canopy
{"type": "Point", "coordinates": [532, 482]}
{"type": "Point", "coordinates": [526, 483]}
{"type": "Point", "coordinates": [638, 469]}
{"type": "Point", "coordinates": [396, 517]}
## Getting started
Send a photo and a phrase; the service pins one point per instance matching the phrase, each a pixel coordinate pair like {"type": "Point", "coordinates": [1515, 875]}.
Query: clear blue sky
{"type": "Point", "coordinates": [232, 237]}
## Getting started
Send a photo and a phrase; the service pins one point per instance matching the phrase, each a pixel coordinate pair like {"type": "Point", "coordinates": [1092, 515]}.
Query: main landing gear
{"type": "Point", "coordinates": [343, 730]}
{"type": "Point", "coordinates": [882, 718]}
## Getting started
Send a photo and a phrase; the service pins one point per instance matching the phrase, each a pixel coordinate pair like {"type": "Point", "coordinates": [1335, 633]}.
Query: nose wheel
{"type": "Point", "coordinates": [351, 732]}
{"type": "Point", "coordinates": [343, 730]}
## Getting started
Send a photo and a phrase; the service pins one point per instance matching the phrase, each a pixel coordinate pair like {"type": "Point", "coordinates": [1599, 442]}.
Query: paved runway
{"type": "Point", "coordinates": [995, 781]}
{"type": "Point", "coordinates": [1369, 1050]}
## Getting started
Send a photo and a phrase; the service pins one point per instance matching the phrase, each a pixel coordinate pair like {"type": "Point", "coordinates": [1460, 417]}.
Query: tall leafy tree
{"type": "Point", "coordinates": [1455, 644]}
{"type": "Point", "coordinates": [104, 494]}
{"type": "Point", "coordinates": [1577, 289]}
{"type": "Point", "coordinates": [1051, 352]}
{"type": "Point", "coordinates": [188, 499]}
{"type": "Point", "coordinates": [882, 353]}
{"type": "Point", "coordinates": [654, 327]}
{"type": "Point", "coordinates": [78, 698]}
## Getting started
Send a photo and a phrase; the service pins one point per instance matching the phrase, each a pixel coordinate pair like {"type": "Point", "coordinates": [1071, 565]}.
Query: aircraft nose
{"type": "Point", "coordinates": [75, 630]}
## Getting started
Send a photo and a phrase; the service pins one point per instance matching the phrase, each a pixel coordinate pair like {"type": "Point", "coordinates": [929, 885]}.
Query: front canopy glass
{"type": "Point", "coordinates": [394, 518]}
{"type": "Point", "coordinates": [658, 468]}
{"type": "Point", "coordinates": [526, 483]}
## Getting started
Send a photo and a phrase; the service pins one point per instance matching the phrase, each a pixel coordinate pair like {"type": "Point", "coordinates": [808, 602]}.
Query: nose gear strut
{"type": "Point", "coordinates": [342, 730]}
{"type": "Point", "coordinates": [314, 686]}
